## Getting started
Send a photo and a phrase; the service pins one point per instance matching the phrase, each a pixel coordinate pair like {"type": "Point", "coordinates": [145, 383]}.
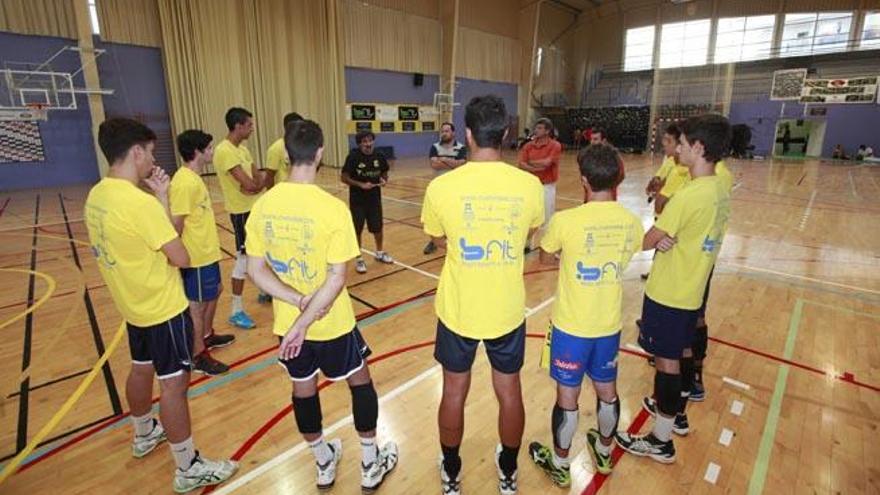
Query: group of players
{"type": "Point", "coordinates": [156, 247]}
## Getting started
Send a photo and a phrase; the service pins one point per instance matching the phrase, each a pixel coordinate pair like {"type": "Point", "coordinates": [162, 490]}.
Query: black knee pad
{"type": "Point", "coordinates": [365, 407]}
{"type": "Point", "coordinates": [701, 342]}
{"type": "Point", "coordinates": [687, 374]}
{"type": "Point", "coordinates": [307, 411]}
{"type": "Point", "coordinates": [667, 391]}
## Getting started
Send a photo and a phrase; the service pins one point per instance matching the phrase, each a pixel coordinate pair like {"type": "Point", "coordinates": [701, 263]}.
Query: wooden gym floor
{"type": "Point", "coordinates": [793, 315]}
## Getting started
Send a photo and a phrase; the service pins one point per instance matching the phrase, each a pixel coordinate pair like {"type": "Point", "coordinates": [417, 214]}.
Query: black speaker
{"type": "Point", "coordinates": [418, 79]}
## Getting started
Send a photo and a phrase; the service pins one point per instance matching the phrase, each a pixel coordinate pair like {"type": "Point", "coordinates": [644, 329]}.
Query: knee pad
{"type": "Point", "coordinates": [687, 374]}
{"type": "Point", "coordinates": [701, 342]}
{"type": "Point", "coordinates": [307, 411]}
{"type": "Point", "coordinates": [667, 391]}
{"type": "Point", "coordinates": [240, 269]}
{"type": "Point", "coordinates": [365, 407]}
{"type": "Point", "coordinates": [564, 425]}
{"type": "Point", "coordinates": [608, 414]}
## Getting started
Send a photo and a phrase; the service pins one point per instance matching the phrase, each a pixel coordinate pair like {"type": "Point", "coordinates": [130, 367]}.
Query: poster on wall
{"type": "Point", "coordinates": [852, 90]}
{"type": "Point", "coordinates": [405, 112]}
{"type": "Point", "coordinates": [788, 84]}
{"type": "Point", "coordinates": [386, 113]}
{"type": "Point", "coordinates": [362, 112]}
{"type": "Point", "coordinates": [20, 141]}
{"type": "Point", "coordinates": [390, 118]}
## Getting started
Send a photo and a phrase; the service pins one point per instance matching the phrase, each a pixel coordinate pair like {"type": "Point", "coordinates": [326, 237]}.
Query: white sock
{"type": "Point", "coordinates": [602, 448]}
{"type": "Point", "coordinates": [184, 453]}
{"type": "Point", "coordinates": [561, 462]}
{"type": "Point", "coordinates": [663, 427]}
{"type": "Point", "coordinates": [143, 425]}
{"type": "Point", "coordinates": [322, 451]}
{"type": "Point", "coordinates": [236, 304]}
{"type": "Point", "coordinates": [369, 450]}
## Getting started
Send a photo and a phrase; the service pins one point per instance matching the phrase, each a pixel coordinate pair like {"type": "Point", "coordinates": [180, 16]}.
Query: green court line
{"type": "Point", "coordinates": [845, 310]}
{"type": "Point", "coordinates": [762, 461]}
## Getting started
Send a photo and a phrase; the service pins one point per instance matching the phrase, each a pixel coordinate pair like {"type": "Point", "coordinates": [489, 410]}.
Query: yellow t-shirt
{"type": "Point", "coordinates": [227, 156]}
{"type": "Point", "coordinates": [276, 159]}
{"type": "Point", "coordinates": [189, 197]}
{"type": "Point", "coordinates": [678, 176]}
{"type": "Point", "coordinates": [724, 174]}
{"type": "Point", "coordinates": [485, 210]}
{"type": "Point", "coordinates": [127, 229]}
{"type": "Point", "coordinates": [597, 241]}
{"type": "Point", "coordinates": [697, 217]}
{"type": "Point", "coordinates": [666, 167]}
{"type": "Point", "coordinates": [300, 229]}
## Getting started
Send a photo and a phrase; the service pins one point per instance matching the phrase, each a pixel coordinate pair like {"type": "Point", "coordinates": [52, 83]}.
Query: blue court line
{"type": "Point", "coordinates": [235, 375]}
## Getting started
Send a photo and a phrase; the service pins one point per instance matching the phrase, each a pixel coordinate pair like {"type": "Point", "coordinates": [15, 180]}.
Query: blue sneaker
{"type": "Point", "coordinates": [242, 320]}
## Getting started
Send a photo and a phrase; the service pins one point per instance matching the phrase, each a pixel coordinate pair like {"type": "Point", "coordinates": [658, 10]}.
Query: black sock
{"type": "Point", "coordinates": [507, 459]}
{"type": "Point", "coordinates": [451, 460]}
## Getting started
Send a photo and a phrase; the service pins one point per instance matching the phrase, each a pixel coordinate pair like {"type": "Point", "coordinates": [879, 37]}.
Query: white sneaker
{"type": "Point", "coordinates": [449, 486]}
{"type": "Point", "coordinates": [506, 484]}
{"type": "Point", "coordinates": [373, 475]}
{"type": "Point", "coordinates": [203, 472]}
{"type": "Point", "coordinates": [384, 257]}
{"type": "Point", "coordinates": [327, 472]}
{"type": "Point", "coordinates": [143, 445]}
{"type": "Point", "coordinates": [360, 266]}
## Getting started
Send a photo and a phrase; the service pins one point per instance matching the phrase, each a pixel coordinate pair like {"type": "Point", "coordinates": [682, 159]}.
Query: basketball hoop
{"type": "Point", "coordinates": [32, 112]}
{"type": "Point", "coordinates": [38, 111]}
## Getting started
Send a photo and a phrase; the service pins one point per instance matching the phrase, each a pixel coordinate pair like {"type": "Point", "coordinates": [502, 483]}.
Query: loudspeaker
{"type": "Point", "coordinates": [418, 79]}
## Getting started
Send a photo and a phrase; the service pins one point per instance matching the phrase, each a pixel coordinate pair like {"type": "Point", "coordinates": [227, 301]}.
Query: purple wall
{"type": "Point", "coordinates": [135, 72]}
{"type": "Point", "coordinates": [466, 89]}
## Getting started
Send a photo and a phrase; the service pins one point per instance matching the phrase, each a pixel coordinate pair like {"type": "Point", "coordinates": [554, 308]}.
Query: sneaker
{"type": "Point", "coordinates": [604, 462]}
{"type": "Point", "coordinates": [207, 365]}
{"type": "Point", "coordinates": [216, 341]}
{"type": "Point", "coordinates": [203, 472]}
{"type": "Point", "coordinates": [143, 445]}
{"type": "Point", "coordinates": [543, 458]}
{"type": "Point", "coordinates": [360, 266]}
{"type": "Point", "coordinates": [384, 257]}
{"type": "Point", "coordinates": [698, 392]}
{"type": "Point", "coordinates": [327, 472]}
{"type": "Point", "coordinates": [264, 298]}
{"type": "Point", "coordinates": [242, 320]}
{"type": "Point", "coordinates": [373, 475]}
{"type": "Point", "coordinates": [506, 482]}
{"type": "Point", "coordinates": [647, 446]}
{"type": "Point", "coordinates": [430, 248]}
{"type": "Point", "coordinates": [449, 486]}
{"type": "Point", "coordinates": [680, 427]}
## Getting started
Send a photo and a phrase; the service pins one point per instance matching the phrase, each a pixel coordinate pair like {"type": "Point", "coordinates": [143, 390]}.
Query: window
{"type": "Point", "coordinates": [639, 49]}
{"type": "Point", "coordinates": [684, 44]}
{"type": "Point", "coordinates": [93, 15]}
{"type": "Point", "coordinates": [744, 38]}
{"type": "Point", "coordinates": [806, 34]}
{"type": "Point", "coordinates": [871, 31]}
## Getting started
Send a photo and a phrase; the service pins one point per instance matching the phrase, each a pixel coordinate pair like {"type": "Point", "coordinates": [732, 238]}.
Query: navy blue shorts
{"type": "Point", "coordinates": [167, 345]}
{"type": "Point", "coordinates": [702, 310]}
{"type": "Point", "coordinates": [666, 332]}
{"type": "Point", "coordinates": [238, 222]}
{"type": "Point", "coordinates": [338, 359]}
{"type": "Point", "coordinates": [203, 283]}
{"type": "Point", "coordinates": [573, 357]}
{"type": "Point", "coordinates": [457, 353]}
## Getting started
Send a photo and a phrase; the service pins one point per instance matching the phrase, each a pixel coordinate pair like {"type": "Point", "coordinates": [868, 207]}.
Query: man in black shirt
{"type": "Point", "coordinates": [365, 172]}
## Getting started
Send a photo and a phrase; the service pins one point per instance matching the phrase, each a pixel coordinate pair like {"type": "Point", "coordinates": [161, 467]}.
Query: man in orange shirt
{"type": "Point", "coordinates": [540, 156]}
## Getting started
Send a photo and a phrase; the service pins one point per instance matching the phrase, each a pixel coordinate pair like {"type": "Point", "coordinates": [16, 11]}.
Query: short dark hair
{"type": "Point", "coordinates": [302, 140]}
{"type": "Point", "coordinates": [486, 117]}
{"type": "Point", "coordinates": [363, 135]}
{"type": "Point", "coordinates": [673, 130]}
{"type": "Point", "coordinates": [291, 117]}
{"type": "Point", "coordinates": [544, 121]}
{"type": "Point", "coordinates": [600, 165]}
{"type": "Point", "coordinates": [713, 131]}
{"type": "Point", "coordinates": [192, 140]}
{"type": "Point", "coordinates": [236, 116]}
{"type": "Point", "coordinates": [117, 136]}
{"type": "Point", "coordinates": [599, 130]}
{"type": "Point", "coordinates": [450, 124]}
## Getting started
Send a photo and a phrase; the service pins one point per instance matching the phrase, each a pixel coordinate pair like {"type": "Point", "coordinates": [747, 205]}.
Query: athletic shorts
{"type": "Point", "coordinates": [202, 284]}
{"type": "Point", "coordinates": [338, 359]}
{"type": "Point", "coordinates": [238, 222]}
{"type": "Point", "coordinates": [457, 353]}
{"type": "Point", "coordinates": [666, 332]}
{"type": "Point", "coordinates": [366, 210]}
{"type": "Point", "coordinates": [573, 357]}
{"type": "Point", "coordinates": [702, 310]}
{"type": "Point", "coordinates": [167, 345]}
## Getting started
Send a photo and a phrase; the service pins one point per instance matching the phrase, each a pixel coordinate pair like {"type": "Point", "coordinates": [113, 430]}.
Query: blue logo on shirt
{"type": "Point", "coordinates": [595, 273]}
{"type": "Point", "coordinates": [709, 244]}
{"type": "Point", "coordinates": [293, 267]}
{"type": "Point", "coordinates": [494, 250]}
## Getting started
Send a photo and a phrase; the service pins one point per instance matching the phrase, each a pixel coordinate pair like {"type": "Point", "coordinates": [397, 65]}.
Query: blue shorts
{"type": "Point", "coordinates": [338, 359]}
{"type": "Point", "coordinates": [666, 332]}
{"type": "Point", "coordinates": [202, 284]}
{"type": "Point", "coordinates": [167, 346]}
{"type": "Point", "coordinates": [457, 353]}
{"type": "Point", "coordinates": [573, 357]}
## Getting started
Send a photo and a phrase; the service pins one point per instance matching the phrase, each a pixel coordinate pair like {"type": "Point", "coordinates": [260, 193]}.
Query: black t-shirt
{"type": "Point", "coordinates": [365, 168]}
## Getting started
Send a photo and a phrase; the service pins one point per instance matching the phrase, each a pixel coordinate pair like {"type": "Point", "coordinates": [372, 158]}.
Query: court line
{"type": "Point", "coordinates": [845, 310]}
{"type": "Point", "coordinates": [25, 385]}
{"type": "Point", "coordinates": [762, 460]}
{"type": "Point", "coordinates": [360, 300]}
{"type": "Point", "coordinates": [807, 211]}
{"type": "Point", "coordinates": [802, 277]}
{"type": "Point", "coordinates": [31, 305]}
{"type": "Point", "coordinates": [51, 382]}
{"type": "Point", "coordinates": [852, 186]}
{"type": "Point", "coordinates": [598, 478]}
